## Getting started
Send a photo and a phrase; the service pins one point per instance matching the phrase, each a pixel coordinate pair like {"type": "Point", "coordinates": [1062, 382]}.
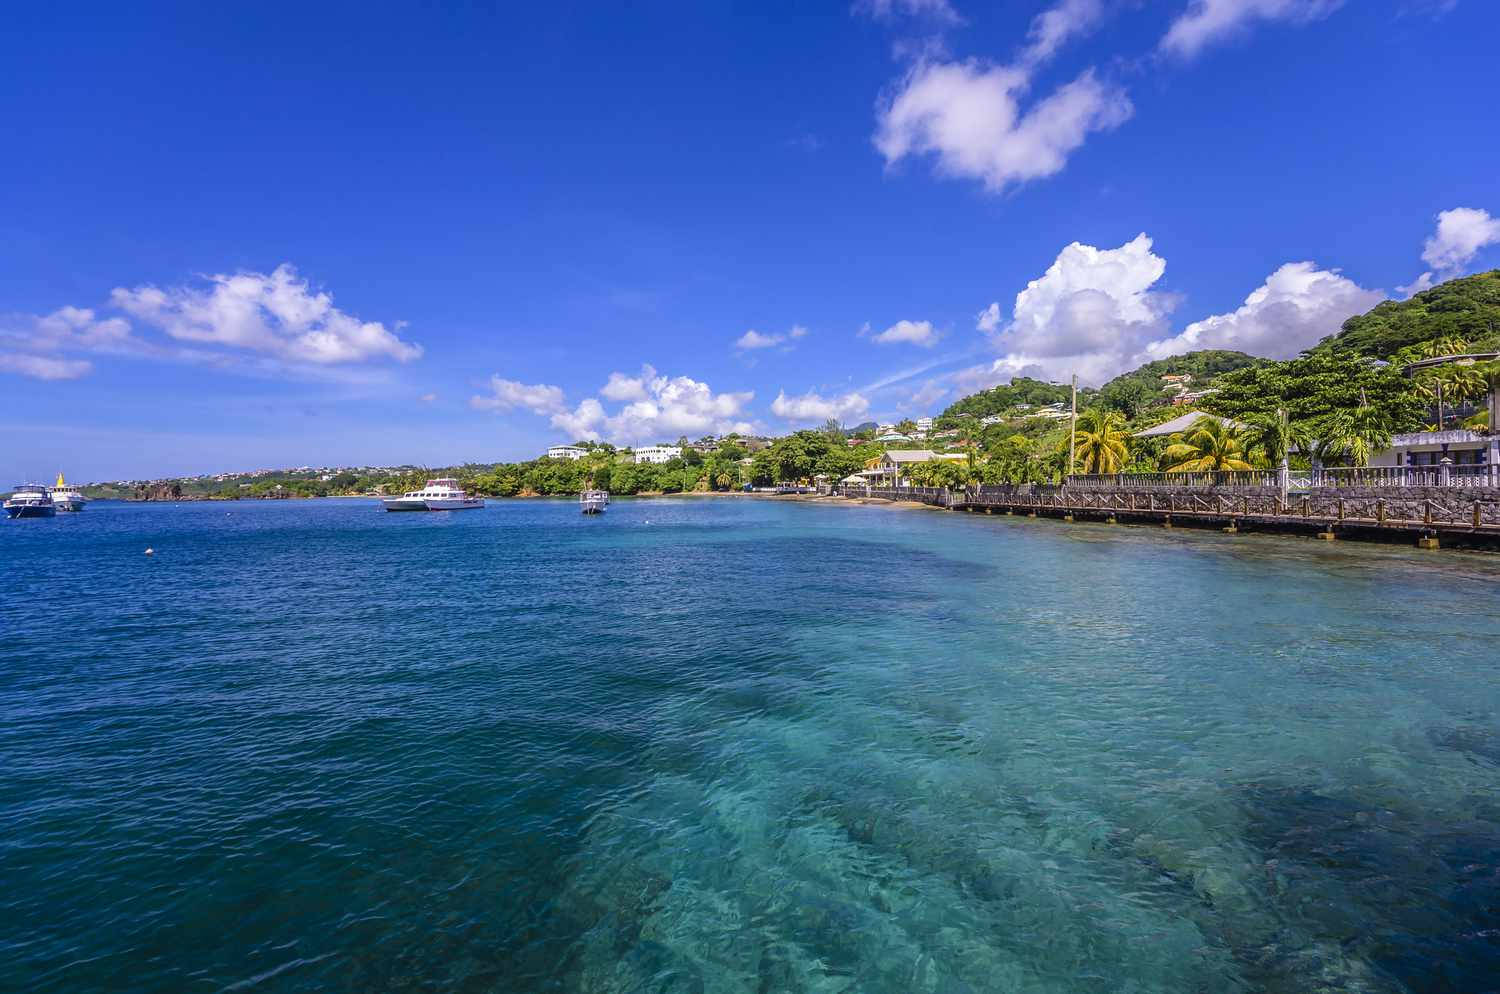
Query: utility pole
{"type": "Point", "coordinates": [1073, 427]}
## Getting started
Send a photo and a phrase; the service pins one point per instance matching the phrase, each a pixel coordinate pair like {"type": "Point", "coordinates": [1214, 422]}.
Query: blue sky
{"type": "Point", "coordinates": [329, 234]}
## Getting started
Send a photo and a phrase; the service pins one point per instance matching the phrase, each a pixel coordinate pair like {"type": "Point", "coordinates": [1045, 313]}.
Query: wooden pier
{"type": "Point", "coordinates": [1428, 516]}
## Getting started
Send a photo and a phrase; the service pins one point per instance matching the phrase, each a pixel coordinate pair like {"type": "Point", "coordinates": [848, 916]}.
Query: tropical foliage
{"type": "Point", "coordinates": [1466, 308]}
{"type": "Point", "coordinates": [1209, 445]}
{"type": "Point", "coordinates": [1101, 441]}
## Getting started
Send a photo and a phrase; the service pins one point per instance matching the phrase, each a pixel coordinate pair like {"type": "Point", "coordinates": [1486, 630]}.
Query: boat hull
{"type": "Point", "coordinates": [429, 504]}
{"type": "Point", "coordinates": [71, 506]}
{"type": "Point", "coordinates": [31, 511]}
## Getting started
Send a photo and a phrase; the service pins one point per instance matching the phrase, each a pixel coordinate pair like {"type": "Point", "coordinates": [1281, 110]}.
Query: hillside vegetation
{"type": "Point", "coordinates": [1467, 308]}
{"type": "Point", "coordinates": [1133, 392]}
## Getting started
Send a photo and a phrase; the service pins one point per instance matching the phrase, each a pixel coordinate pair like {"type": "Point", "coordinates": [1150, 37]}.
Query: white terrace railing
{"type": "Point", "coordinates": [1304, 479]}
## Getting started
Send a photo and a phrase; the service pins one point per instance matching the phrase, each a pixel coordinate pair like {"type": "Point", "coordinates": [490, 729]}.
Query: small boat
{"type": "Point", "coordinates": [594, 501]}
{"type": "Point", "coordinates": [442, 494]}
{"type": "Point", "coordinates": [30, 500]}
{"type": "Point", "coordinates": [65, 497]}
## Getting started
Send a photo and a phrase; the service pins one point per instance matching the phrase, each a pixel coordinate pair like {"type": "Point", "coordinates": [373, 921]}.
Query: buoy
{"type": "Point", "coordinates": [150, 551]}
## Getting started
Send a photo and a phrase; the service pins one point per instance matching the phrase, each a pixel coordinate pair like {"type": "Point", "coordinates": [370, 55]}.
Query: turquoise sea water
{"type": "Point", "coordinates": [738, 746]}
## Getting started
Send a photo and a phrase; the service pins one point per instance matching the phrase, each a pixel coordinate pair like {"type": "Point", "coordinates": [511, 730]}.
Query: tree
{"type": "Point", "coordinates": [1355, 435]}
{"type": "Point", "coordinates": [1101, 441]}
{"type": "Point", "coordinates": [906, 426]}
{"type": "Point", "coordinates": [1208, 445]}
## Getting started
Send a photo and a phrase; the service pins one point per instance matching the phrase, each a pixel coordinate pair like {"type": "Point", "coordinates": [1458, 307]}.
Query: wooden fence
{"type": "Point", "coordinates": [1408, 509]}
{"type": "Point", "coordinates": [1341, 478]}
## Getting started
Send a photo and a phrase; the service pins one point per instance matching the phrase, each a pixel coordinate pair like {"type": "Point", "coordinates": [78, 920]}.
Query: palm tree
{"type": "Point", "coordinates": [1355, 435]}
{"type": "Point", "coordinates": [1274, 438]}
{"type": "Point", "coordinates": [1439, 347]}
{"type": "Point", "coordinates": [1208, 446]}
{"type": "Point", "coordinates": [1101, 441]}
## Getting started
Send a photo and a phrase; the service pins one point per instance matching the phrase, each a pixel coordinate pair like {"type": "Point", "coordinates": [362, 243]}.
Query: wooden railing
{"type": "Point", "coordinates": [1398, 510]}
{"type": "Point", "coordinates": [1338, 478]}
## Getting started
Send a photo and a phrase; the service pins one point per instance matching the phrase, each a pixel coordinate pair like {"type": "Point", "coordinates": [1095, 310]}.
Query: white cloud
{"type": "Point", "coordinates": [1208, 21]}
{"type": "Point", "coordinates": [428, 398]}
{"type": "Point", "coordinates": [507, 395]}
{"type": "Point", "coordinates": [968, 116]}
{"type": "Point", "coordinates": [78, 328]}
{"type": "Point", "coordinates": [44, 367]}
{"type": "Point", "coordinates": [753, 339]}
{"type": "Point", "coordinates": [809, 408]}
{"type": "Point", "coordinates": [1089, 302]}
{"type": "Point", "coordinates": [929, 393]}
{"type": "Point", "coordinates": [276, 313]}
{"type": "Point", "coordinates": [988, 319]}
{"type": "Point", "coordinates": [1297, 305]}
{"type": "Point", "coordinates": [912, 332]}
{"type": "Point", "coordinates": [657, 407]}
{"type": "Point", "coordinates": [1057, 25]}
{"type": "Point", "coordinates": [940, 11]}
{"type": "Point", "coordinates": [675, 406]}
{"type": "Point", "coordinates": [584, 421]}
{"type": "Point", "coordinates": [1460, 234]}
{"type": "Point", "coordinates": [1416, 286]}
{"type": "Point", "coordinates": [1097, 313]}
{"type": "Point", "coordinates": [621, 387]}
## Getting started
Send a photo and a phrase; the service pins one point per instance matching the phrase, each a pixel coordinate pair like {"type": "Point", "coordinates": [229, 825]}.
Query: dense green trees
{"type": "Point", "coordinates": [998, 400]}
{"type": "Point", "coordinates": [1209, 445]}
{"type": "Point", "coordinates": [1466, 308]}
{"type": "Point", "coordinates": [1102, 442]}
{"type": "Point", "coordinates": [1133, 392]}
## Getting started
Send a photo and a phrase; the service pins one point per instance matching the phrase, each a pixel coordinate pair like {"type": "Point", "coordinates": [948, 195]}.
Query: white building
{"type": "Point", "coordinates": [567, 452]}
{"type": "Point", "coordinates": [891, 470]}
{"type": "Point", "coordinates": [924, 424]}
{"type": "Point", "coordinates": [658, 453]}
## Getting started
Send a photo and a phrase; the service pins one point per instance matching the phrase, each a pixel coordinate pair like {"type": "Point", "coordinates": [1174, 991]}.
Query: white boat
{"type": "Point", "coordinates": [594, 501]}
{"type": "Point", "coordinates": [30, 500]}
{"type": "Point", "coordinates": [65, 497]}
{"type": "Point", "coordinates": [439, 495]}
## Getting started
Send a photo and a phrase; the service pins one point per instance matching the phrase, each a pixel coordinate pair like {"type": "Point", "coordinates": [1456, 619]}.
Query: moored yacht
{"type": "Point", "coordinates": [30, 501]}
{"type": "Point", "coordinates": [439, 495]}
{"type": "Point", "coordinates": [594, 501]}
{"type": "Point", "coordinates": [65, 497]}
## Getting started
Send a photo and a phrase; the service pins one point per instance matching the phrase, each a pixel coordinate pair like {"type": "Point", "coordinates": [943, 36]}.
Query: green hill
{"type": "Point", "coordinates": [1132, 392]}
{"type": "Point", "coordinates": [998, 400]}
{"type": "Point", "coordinates": [1466, 308]}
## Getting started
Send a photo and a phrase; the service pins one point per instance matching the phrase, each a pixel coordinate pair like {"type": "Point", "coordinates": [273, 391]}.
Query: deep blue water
{"type": "Point", "coordinates": [738, 746]}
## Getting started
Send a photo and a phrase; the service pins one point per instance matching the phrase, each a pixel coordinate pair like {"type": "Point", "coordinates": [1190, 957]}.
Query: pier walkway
{"type": "Point", "coordinates": [1460, 515]}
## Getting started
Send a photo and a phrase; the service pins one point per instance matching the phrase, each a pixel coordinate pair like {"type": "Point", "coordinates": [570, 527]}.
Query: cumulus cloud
{"type": "Point", "coordinates": [675, 406]}
{"type": "Point", "coordinates": [939, 11]}
{"type": "Point", "coordinates": [753, 339]}
{"type": "Point", "coordinates": [1090, 303]}
{"type": "Point", "coordinates": [655, 407]}
{"type": "Point", "coordinates": [929, 393]}
{"type": "Point", "coordinates": [31, 343]}
{"type": "Point", "coordinates": [911, 332]}
{"type": "Point", "coordinates": [44, 367]}
{"type": "Point", "coordinates": [1097, 313]}
{"type": "Point", "coordinates": [623, 388]}
{"type": "Point", "coordinates": [507, 395]}
{"type": "Point", "coordinates": [1208, 21]}
{"type": "Point", "coordinates": [584, 421]}
{"type": "Point", "coordinates": [811, 407]}
{"type": "Point", "coordinates": [1057, 25]}
{"type": "Point", "coordinates": [275, 313]}
{"type": "Point", "coordinates": [1460, 234]}
{"type": "Point", "coordinates": [80, 328]}
{"type": "Point", "coordinates": [968, 117]}
{"type": "Point", "coordinates": [988, 319]}
{"type": "Point", "coordinates": [1297, 305]}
